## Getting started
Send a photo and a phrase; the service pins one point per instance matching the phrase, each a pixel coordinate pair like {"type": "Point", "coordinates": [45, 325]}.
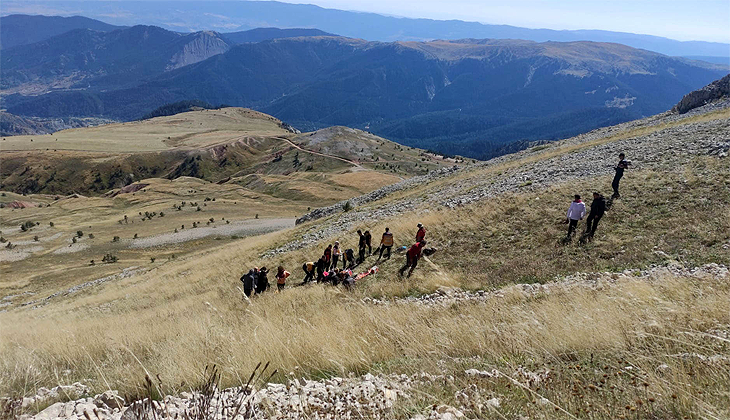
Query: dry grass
{"type": "Point", "coordinates": [190, 129]}
{"type": "Point", "coordinates": [578, 335]}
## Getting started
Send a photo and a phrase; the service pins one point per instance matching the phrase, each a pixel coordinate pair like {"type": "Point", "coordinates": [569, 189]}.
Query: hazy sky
{"type": "Point", "coordinates": [705, 20]}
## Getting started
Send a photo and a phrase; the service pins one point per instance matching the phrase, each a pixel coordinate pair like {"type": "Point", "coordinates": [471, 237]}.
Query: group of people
{"type": "Point", "coordinates": [256, 281]}
{"type": "Point", "coordinates": [327, 264]}
{"type": "Point", "coordinates": [577, 209]}
{"type": "Point", "coordinates": [326, 270]}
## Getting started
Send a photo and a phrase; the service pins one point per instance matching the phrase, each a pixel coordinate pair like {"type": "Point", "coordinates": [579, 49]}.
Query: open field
{"type": "Point", "coordinates": [636, 342]}
{"type": "Point", "coordinates": [188, 130]}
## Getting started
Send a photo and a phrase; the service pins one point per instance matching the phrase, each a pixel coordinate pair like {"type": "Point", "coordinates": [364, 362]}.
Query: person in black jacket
{"type": "Point", "coordinates": [249, 280]}
{"type": "Point", "coordinates": [598, 208]}
{"type": "Point", "coordinates": [368, 241]}
{"type": "Point", "coordinates": [321, 268]}
{"type": "Point", "coordinates": [362, 243]}
{"type": "Point", "coordinates": [262, 281]}
{"type": "Point", "coordinates": [623, 164]}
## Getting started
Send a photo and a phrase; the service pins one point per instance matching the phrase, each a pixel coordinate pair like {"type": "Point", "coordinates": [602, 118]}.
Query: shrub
{"type": "Point", "coordinates": [152, 259]}
{"type": "Point", "coordinates": [347, 207]}
{"type": "Point", "coordinates": [35, 238]}
{"type": "Point", "coordinates": [79, 233]}
{"type": "Point", "coordinates": [135, 236]}
{"type": "Point", "coordinates": [2, 240]}
{"type": "Point", "coordinates": [91, 236]}
{"type": "Point", "coordinates": [25, 226]}
{"type": "Point", "coordinates": [73, 239]}
{"type": "Point", "coordinates": [198, 209]}
{"type": "Point", "coordinates": [162, 214]}
{"type": "Point", "coordinates": [109, 258]}
{"type": "Point", "coordinates": [211, 220]}
{"type": "Point", "coordinates": [115, 239]}
{"type": "Point", "coordinates": [92, 262]}
{"type": "Point", "coordinates": [50, 224]}
{"type": "Point", "coordinates": [257, 215]}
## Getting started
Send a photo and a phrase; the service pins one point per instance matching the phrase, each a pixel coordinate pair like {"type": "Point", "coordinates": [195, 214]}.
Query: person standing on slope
{"type": "Point", "coordinates": [262, 281]}
{"type": "Point", "coordinates": [620, 168]}
{"type": "Point", "coordinates": [576, 211]}
{"type": "Point", "coordinates": [368, 241]}
{"type": "Point", "coordinates": [249, 281]}
{"type": "Point", "coordinates": [336, 253]}
{"type": "Point", "coordinates": [421, 233]}
{"type": "Point", "coordinates": [412, 256]}
{"type": "Point", "coordinates": [386, 242]}
{"type": "Point", "coordinates": [328, 257]}
{"type": "Point", "coordinates": [598, 208]}
{"type": "Point", "coordinates": [281, 276]}
{"type": "Point", "coordinates": [362, 243]}
{"type": "Point", "coordinates": [348, 260]}
{"type": "Point", "coordinates": [309, 270]}
{"type": "Point", "coordinates": [321, 268]}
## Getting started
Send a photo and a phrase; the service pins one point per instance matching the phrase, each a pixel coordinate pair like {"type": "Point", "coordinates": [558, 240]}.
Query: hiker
{"type": "Point", "coordinates": [262, 281]}
{"type": "Point", "coordinates": [361, 247]}
{"type": "Point", "coordinates": [321, 268]}
{"type": "Point", "coordinates": [386, 242]}
{"type": "Point", "coordinates": [348, 261]}
{"type": "Point", "coordinates": [412, 257]}
{"type": "Point", "coordinates": [598, 208]}
{"type": "Point", "coordinates": [309, 270]}
{"type": "Point", "coordinates": [328, 256]}
{"type": "Point", "coordinates": [281, 276]}
{"type": "Point", "coordinates": [249, 280]}
{"type": "Point", "coordinates": [576, 211]}
{"type": "Point", "coordinates": [336, 252]}
{"type": "Point", "coordinates": [623, 164]}
{"type": "Point", "coordinates": [421, 234]}
{"type": "Point", "coordinates": [369, 241]}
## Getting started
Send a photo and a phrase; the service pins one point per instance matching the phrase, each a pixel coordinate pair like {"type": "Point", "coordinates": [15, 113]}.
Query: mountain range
{"type": "Point", "coordinates": [227, 16]}
{"type": "Point", "coordinates": [472, 97]}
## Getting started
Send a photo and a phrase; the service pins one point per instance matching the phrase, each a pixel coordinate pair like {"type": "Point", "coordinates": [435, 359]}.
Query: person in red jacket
{"type": "Point", "coordinates": [412, 256]}
{"type": "Point", "coordinates": [421, 234]}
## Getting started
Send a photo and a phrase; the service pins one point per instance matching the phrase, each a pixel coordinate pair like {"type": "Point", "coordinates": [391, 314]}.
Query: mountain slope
{"type": "Point", "coordinates": [88, 59]}
{"type": "Point", "coordinates": [25, 29]}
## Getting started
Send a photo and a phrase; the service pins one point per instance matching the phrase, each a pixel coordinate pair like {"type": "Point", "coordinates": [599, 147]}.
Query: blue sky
{"type": "Point", "coordinates": [703, 20]}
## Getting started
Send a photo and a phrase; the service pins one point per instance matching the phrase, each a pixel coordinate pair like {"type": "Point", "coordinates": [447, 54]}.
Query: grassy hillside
{"type": "Point", "coordinates": [224, 145]}
{"type": "Point", "coordinates": [629, 341]}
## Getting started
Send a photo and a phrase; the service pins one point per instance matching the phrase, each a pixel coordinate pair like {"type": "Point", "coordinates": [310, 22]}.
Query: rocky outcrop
{"type": "Point", "coordinates": [206, 44]}
{"type": "Point", "coordinates": [714, 91]}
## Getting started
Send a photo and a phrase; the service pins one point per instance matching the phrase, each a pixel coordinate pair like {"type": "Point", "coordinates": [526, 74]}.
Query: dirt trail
{"type": "Point", "coordinates": [351, 162]}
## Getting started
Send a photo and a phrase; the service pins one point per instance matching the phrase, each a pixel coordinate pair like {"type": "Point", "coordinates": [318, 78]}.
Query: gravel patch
{"type": "Point", "coordinates": [72, 248]}
{"type": "Point", "coordinates": [13, 255]}
{"type": "Point", "coordinates": [242, 228]}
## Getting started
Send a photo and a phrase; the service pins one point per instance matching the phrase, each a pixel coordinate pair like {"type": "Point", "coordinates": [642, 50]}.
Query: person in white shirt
{"type": "Point", "coordinates": [576, 212]}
